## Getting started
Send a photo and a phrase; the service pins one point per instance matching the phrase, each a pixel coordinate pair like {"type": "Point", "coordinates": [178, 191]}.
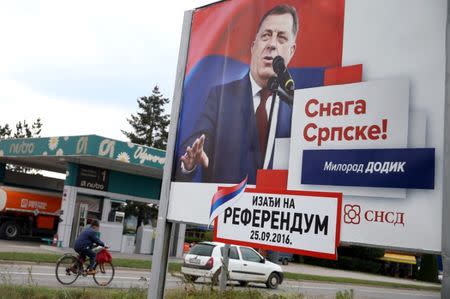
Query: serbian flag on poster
{"type": "Point", "coordinates": [225, 197]}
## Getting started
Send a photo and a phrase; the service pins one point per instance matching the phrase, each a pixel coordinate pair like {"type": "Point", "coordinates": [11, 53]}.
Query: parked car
{"type": "Point", "coordinates": [245, 265]}
{"type": "Point", "coordinates": [285, 257]}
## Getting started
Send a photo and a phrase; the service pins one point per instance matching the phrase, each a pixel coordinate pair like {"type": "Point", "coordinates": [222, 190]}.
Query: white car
{"type": "Point", "coordinates": [245, 265]}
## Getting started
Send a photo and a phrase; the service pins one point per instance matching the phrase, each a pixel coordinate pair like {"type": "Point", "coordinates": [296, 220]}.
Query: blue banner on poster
{"type": "Point", "coordinates": [411, 168]}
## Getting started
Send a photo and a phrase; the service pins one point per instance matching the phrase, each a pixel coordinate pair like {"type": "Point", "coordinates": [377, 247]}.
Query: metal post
{"type": "Point", "coordinates": [273, 121]}
{"type": "Point", "coordinates": [163, 229]}
{"type": "Point", "coordinates": [445, 293]}
{"type": "Point", "coordinates": [224, 272]}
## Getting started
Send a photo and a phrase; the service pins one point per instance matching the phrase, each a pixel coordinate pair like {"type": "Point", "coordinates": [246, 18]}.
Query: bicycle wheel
{"type": "Point", "coordinates": [105, 274]}
{"type": "Point", "coordinates": [67, 269]}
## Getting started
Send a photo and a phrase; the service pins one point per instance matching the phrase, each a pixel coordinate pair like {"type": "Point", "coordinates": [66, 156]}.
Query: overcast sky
{"type": "Point", "coordinates": [81, 65]}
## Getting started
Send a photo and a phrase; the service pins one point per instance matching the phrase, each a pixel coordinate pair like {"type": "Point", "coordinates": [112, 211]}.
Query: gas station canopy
{"type": "Point", "coordinates": [54, 153]}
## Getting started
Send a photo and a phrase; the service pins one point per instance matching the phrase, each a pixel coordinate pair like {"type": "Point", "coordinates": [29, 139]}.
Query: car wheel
{"type": "Point", "coordinates": [9, 230]}
{"type": "Point", "coordinates": [190, 278]}
{"type": "Point", "coordinates": [243, 283]}
{"type": "Point", "coordinates": [273, 281]}
{"type": "Point", "coordinates": [285, 261]}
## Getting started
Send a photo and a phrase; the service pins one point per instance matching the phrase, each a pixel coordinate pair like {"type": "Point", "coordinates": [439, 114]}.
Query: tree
{"type": "Point", "coordinates": [150, 124]}
{"type": "Point", "coordinates": [5, 132]}
{"type": "Point", "coordinates": [150, 127]}
{"type": "Point", "coordinates": [23, 130]}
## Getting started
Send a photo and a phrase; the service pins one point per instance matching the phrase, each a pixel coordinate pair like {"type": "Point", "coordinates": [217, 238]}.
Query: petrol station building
{"type": "Point", "coordinates": [101, 174]}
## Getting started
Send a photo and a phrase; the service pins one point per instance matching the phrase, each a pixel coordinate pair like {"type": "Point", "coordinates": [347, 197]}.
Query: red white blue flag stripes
{"type": "Point", "coordinates": [225, 198]}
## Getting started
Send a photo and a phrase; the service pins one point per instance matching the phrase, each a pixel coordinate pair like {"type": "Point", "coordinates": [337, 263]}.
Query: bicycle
{"type": "Point", "coordinates": [70, 266]}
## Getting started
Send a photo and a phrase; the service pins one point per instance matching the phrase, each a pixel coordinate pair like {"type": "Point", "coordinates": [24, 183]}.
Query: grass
{"type": "Point", "coordinates": [30, 257]}
{"type": "Point", "coordinates": [192, 293]}
{"type": "Point", "coordinates": [309, 277]}
{"type": "Point", "coordinates": [35, 292]}
{"type": "Point", "coordinates": [51, 258]}
{"type": "Point", "coordinates": [344, 294]}
{"type": "Point", "coordinates": [176, 267]}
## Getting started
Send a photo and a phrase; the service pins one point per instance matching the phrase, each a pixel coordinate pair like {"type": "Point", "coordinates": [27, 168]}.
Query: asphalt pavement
{"type": "Point", "coordinates": [26, 273]}
{"type": "Point", "coordinates": [44, 275]}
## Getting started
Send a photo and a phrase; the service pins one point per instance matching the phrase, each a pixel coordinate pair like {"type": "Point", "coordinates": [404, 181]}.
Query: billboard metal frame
{"type": "Point", "coordinates": [160, 257]}
{"type": "Point", "coordinates": [163, 229]}
{"type": "Point", "coordinates": [445, 291]}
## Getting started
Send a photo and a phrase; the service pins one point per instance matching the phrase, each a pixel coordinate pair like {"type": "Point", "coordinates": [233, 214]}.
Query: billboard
{"type": "Point", "coordinates": [301, 222]}
{"type": "Point", "coordinates": [366, 120]}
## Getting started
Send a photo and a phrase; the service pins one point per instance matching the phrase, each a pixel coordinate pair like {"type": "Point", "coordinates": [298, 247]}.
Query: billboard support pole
{"type": "Point", "coordinates": [224, 271]}
{"type": "Point", "coordinates": [163, 229]}
{"type": "Point", "coordinates": [446, 181]}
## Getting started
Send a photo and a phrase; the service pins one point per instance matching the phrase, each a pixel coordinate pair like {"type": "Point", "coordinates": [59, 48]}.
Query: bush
{"type": "Point", "coordinates": [192, 239]}
{"type": "Point", "coordinates": [361, 252]}
{"type": "Point", "coordinates": [356, 258]}
{"type": "Point", "coordinates": [357, 264]}
{"type": "Point", "coordinates": [209, 235]}
{"type": "Point", "coordinates": [347, 294]}
{"type": "Point", "coordinates": [428, 268]}
{"type": "Point", "coordinates": [320, 262]}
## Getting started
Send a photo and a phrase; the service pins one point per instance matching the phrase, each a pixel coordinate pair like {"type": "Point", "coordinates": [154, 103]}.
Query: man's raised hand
{"type": "Point", "coordinates": [195, 155]}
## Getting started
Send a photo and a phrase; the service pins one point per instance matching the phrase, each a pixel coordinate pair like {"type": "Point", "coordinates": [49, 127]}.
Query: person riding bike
{"type": "Point", "coordinates": [85, 242]}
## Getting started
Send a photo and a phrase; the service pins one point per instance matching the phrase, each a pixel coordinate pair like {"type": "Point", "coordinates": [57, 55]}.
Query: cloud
{"type": "Point", "coordinates": [103, 40]}
{"type": "Point", "coordinates": [61, 117]}
{"type": "Point", "coordinates": [81, 65]}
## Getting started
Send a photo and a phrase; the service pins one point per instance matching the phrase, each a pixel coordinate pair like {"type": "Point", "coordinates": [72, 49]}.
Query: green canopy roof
{"type": "Point", "coordinates": [51, 153]}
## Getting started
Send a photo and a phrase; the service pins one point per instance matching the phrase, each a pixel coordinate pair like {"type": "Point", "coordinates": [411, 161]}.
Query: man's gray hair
{"type": "Point", "coordinates": [281, 10]}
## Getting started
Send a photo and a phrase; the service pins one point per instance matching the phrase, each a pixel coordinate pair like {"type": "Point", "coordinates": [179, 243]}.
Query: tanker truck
{"type": "Point", "coordinates": [25, 212]}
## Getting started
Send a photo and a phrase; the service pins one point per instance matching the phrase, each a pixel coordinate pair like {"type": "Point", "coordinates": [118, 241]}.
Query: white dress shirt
{"type": "Point", "coordinates": [256, 98]}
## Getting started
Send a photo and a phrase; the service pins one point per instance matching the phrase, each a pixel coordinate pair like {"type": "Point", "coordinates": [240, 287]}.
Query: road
{"type": "Point", "coordinates": [43, 275]}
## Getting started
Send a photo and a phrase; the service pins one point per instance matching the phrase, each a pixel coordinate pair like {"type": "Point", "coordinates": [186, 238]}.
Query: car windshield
{"type": "Point", "coordinates": [202, 249]}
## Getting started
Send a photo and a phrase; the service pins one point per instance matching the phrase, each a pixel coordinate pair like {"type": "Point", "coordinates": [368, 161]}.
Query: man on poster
{"type": "Point", "coordinates": [230, 138]}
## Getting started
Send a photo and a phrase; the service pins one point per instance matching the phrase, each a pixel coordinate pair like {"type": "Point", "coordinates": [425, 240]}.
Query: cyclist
{"type": "Point", "coordinates": [85, 242]}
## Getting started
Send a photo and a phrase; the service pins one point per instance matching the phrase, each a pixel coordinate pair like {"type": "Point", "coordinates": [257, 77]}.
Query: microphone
{"type": "Point", "coordinates": [284, 78]}
{"type": "Point", "coordinates": [273, 84]}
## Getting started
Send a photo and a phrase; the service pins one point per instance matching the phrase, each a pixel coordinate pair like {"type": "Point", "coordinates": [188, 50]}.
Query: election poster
{"type": "Point", "coordinates": [380, 141]}
{"type": "Point", "coordinates": [345, 96]}
{"type": "Point", "coordinates": [300, 222]}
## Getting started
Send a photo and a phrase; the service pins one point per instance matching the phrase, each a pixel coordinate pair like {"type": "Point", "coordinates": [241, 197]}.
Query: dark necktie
{"type": "Point", "coordinates": [262, 122]}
